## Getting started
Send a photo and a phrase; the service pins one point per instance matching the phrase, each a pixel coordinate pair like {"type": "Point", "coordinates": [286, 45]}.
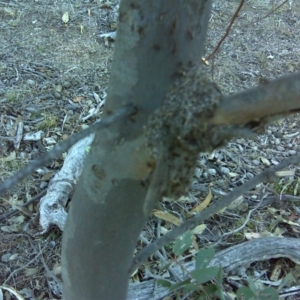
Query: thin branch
{"type": "Point", "coordinates": [251, 211]}
{"type": "Point", "coordinates": [48, 271]}
{"type": "Point", "coordinates": [163, 261]}
{"type": "Point", "coordinates": [232, 21]}
{"type": "Point", "coordinates": [266, 175]}
{"type": "Point", "coordinates": [227, 30]}
{"type": "Point", "coordinates": [272, 11]}
{"type": "Point", "coordinates": [26, 265]}
{"type": "Point", "coordinates": [64, 146]}
{"type": "Point", "coordinates": [27, 203]}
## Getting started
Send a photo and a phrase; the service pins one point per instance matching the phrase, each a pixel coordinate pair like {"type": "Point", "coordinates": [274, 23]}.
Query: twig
{"type": "Point", "coordinates": [266, 175]}
{"type": "Point", "coordinates": [6, 3]}
{"type": "Point", "coordinates": [227, 31]}
{"type": "Point", "coordinates": [277, 196]}
{"type": "Point", "coordinates": [39, 65]}
{"type": "Point", "coordinates": [246, 221]}
{"type": "Point", "coordinates": [232, 21]}
{"type": "Point", "coordinates": [48, 271]}
{"type": "Point", "coordinates": [163, 261]}
{"type": "Point", "coordinates": [14, 211]}
{"type": "Point", "coordinates": [37, 74]}
{"type": "Point", "coordinates": [272, 11]}
{"type": "Point", "coordinates": [62, 147]}
{"type": "Point", "coordinates": [26, 265]}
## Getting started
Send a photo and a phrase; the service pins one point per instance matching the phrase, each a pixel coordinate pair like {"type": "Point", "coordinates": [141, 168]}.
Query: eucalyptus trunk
{"type": "Point", "coordinates": [122, 180]}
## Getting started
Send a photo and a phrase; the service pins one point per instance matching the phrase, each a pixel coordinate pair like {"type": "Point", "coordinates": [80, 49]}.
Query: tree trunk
{"type": "Point", "coordinates": [121, 180]}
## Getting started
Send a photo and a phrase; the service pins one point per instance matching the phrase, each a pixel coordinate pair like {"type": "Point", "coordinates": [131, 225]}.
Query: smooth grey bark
{"type": "Point", "coordinates": [120, 182]}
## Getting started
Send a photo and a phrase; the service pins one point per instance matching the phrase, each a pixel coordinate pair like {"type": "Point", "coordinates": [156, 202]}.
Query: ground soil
{"type": "Point", "coordinates": [54, 71]}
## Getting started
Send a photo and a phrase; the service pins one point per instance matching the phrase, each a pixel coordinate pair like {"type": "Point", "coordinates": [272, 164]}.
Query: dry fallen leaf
{"type": "Point", "coordinates": [200, 207]}
{"type": "Point", "coordinates": [65, 18]}
{"type": "Point", "coordinates": [199, 229]}
{"type": "Point", "coordinates": [285, 173]}
{"type": "Point", "coordinates": [7, 11]}
{"type": "Point", "coordinates": [283, 220]}
{"type": "Point", "coordinates": [166, 216]}
{"type": "Point", "coordinates": [265, 161]}
{"type": "Point", "coordinates": [236, 203]}
{"type": "Point", "coordinates": [47, 176]}
{"type": "Point", "coordinates": [78, 99]}
{"type": "Point", "coordinates": [252, 235]}
{"type": "Point", "coordinates": [276, 272]}
{"type": "Point", "coordinates": [11, 291]}
{"type": "Point", "coordinates": [12, 228]}
{"type": "Point", "coordinates": [12, 156]}
{"type": "Point", "coordinates": [30, 271]}
{"type": "Point", "coordinates": [81, 28]}
{"type": "Point", "coordinates": [233, 174]}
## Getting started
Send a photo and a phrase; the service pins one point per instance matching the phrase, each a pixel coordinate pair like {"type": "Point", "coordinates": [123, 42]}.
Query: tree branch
{"type": "Point", "coordinates": [276, 98]}
{"type": "Point", "coordinates": [62, 147]}
{"type": "Point", "coordinates": [266, 175]}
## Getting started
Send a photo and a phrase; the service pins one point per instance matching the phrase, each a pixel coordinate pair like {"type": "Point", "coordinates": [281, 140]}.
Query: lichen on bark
{"type": "Point", "coordinates": [180, 129]}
